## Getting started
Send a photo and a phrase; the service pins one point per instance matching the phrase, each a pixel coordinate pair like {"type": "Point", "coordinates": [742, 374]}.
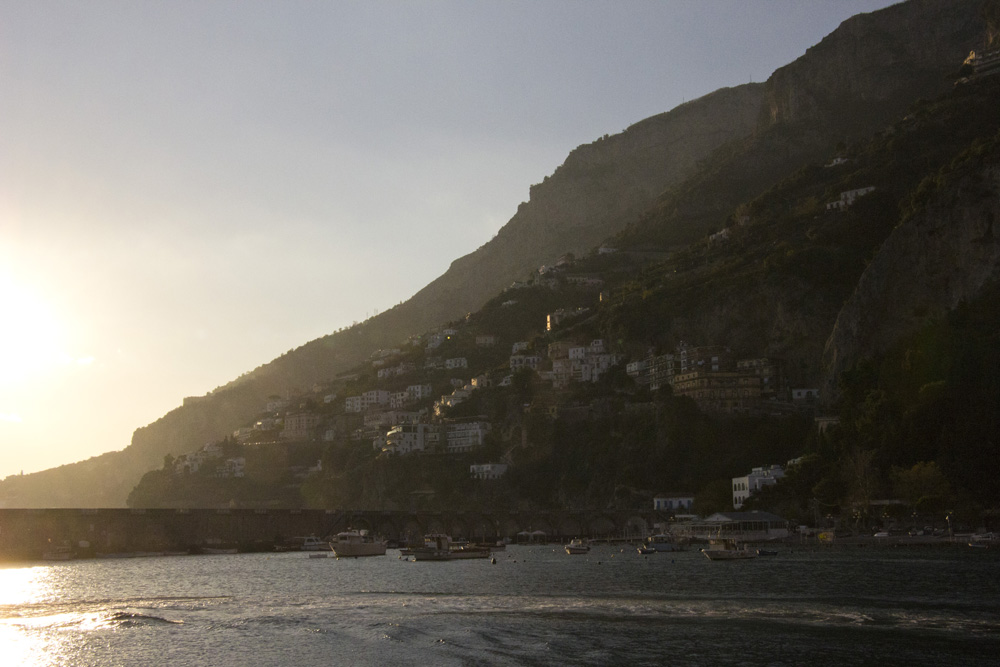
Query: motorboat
{"type": "Point", "coordinates": [727, 549]}
{"type": "Point", "coordinates": [664, 542]}
{"type": "Point", "coordinates": [313, 543]}
{"type": "Point", "coordinates": [469, 551]}
{"type": "Point", "coordinates": [577, 546]}
{"type": "Point", "coordinates": [437, 546]}
{"type": "Point", "coordinates": [643, 550]}
{"type": "Point", "coordinates": [356, 543]}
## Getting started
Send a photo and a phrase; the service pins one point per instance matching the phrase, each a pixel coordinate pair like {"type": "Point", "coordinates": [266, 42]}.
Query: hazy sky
{"type": "Point", "coordinates": [190, 188]}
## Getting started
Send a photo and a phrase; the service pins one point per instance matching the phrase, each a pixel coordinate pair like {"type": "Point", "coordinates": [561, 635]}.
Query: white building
{"type": "Point", "coordinates": [746, 486]}
{"type": "Point", "coordinates": [417, 392]}
{"type": "Point", "coordinates": [234, 467]}
{"type": "Point", "coordinates": [519, 361]}
{"type": "Point", "coordinates": [488, 470]}
{"type": "Point", "coordinates": [374, 397]}
{"type": "Point", "coordinates": [457, 362]}
{"type": "Point", "coordinates": [300, 426]}
{"type": "Point", "coordinates": [408, 439]}
{"type": "Point", "coordinates": [673, 503]}
{"type": "Point", "coordinates": [465, 436]}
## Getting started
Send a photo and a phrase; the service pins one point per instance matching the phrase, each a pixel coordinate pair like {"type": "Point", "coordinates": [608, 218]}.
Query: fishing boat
{"type": "Point", "coordinates": [577, 546]}
{"type": "Point", "coordinates": [727, 549]}
{"type": "Point", "coordinates": [437, 546]}
{"type": "Point", "coordinates": [356, 543]}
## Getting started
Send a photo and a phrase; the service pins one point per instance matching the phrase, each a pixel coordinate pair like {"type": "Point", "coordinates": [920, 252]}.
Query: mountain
{"type": "Point", "coordinates": [665, 181]}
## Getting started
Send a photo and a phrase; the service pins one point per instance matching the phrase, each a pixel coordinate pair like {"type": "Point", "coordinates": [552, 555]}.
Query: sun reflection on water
{"type": "Point", "coordinates": [24, 585]}
{"type": "Point", "coordinates": [25, 621]}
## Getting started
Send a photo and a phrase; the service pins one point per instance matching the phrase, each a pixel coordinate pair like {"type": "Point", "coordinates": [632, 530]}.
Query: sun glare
{"type": "Point", "coordinates": [31, 336]}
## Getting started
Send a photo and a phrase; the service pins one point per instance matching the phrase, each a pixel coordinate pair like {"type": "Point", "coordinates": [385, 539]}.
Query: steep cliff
{"type": "Point", "coordinates": [854, 82]}
{"type": "Point", "coordinates": [866, 73]}
{"type": "Point", "coordinates": [942, 255]}
{"type": "Point", "coordinates": [707, 156]}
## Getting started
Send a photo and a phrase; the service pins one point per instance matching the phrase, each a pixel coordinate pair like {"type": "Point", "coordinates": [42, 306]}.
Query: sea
{"type": "Point", "coordinates": [528, 605]}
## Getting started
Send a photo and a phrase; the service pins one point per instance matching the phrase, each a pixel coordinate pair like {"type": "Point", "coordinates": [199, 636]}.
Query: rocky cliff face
{"type": "Point", "coordinates": [943, 255]}
{"type": "Point", "coordinates": [875, 65]}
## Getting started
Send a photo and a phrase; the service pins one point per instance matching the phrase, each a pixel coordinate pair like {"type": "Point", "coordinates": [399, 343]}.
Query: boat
{"type": "Point", "coordinates": [644, 550]}
{"type": "Point", "coordinates": [313, 543]}
{"type": "Point", "coordinates": [664, 542]}
{"type": "Point", "coordinates": [356, 543]}
{"type": "Point", "coordinates": [766, 552]}
{"type": "Point", "coordinates": [437, 546]}
{"type": "Point", "coordinates": [469, 551]}
{"type": "Point", "coordinates": [727, 549]}
{"type": "Point", "coordinates": [577, 546]}
{"type": "Point", "coordinates": [499, 545]}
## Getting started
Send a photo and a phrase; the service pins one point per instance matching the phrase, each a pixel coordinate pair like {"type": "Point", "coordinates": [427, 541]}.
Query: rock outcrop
{"type": "Point", "coordinates": [938, 258]}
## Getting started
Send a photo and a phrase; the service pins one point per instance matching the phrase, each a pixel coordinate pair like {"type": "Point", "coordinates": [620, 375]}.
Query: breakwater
{"type": "Point", "coordinates": [25, 534]}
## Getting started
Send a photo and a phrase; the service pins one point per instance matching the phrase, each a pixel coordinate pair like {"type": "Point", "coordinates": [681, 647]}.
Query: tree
{"type": "Point", "coordinates": [714, 497]}
{"type": "Point", "coordinates": [924, 487]}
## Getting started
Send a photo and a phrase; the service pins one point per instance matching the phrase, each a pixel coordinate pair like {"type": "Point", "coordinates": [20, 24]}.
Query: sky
{"type": "Point", "coordinates": [188, 189]}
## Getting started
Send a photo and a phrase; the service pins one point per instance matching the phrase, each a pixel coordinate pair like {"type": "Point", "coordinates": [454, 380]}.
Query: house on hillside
{"type": "Point", "coordinates": [673, 502]}
{"type": "Point", "coordinates": [488, 470]}
{"type": "Point", "coordinates": [300, 426]}
{"type": "Point", "coordinates": [757, 479]}
{"type": "Point", "coordinates": [848, 197]}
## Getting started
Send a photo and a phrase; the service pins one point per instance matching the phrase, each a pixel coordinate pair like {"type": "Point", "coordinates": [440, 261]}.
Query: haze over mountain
{"type": "Point", "coordinates": [660, 185]}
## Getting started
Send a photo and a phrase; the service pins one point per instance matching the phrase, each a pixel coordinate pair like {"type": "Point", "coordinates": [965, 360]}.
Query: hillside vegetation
{"type": "Point", "coordinates": [749, 161]}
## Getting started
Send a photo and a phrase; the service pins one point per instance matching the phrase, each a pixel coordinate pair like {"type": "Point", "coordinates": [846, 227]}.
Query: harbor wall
{"type": "Point", "coordinates": [25, 534]}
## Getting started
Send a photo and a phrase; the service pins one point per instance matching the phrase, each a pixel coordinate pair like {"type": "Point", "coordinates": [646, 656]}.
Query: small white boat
{"type": "Point", "coordinates": [644, 550]}
{"type": "Point", "coordinates": [313, 543]}
{"type": "Point", "coordinates": [356, 543]}
{"type": "Point", "coordinates": [577, 546]}
{"type": "Point", "coordinates": [727, 549]}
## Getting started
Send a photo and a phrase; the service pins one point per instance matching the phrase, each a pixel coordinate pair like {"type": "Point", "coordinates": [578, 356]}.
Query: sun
{"type": "Point", "coordinates": [30, 336]}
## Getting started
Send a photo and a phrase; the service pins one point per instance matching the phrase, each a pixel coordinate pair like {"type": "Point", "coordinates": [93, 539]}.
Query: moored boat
{"type": "Point", "coordinates": [313, 543]}
{"type": "Point", "coordinates": [437, 546]}
{"type": "Point", "coordinates": [727, 549]}
{"type": "Point", "coordinates": [356, 543]}
{"type": "Point", "coordinates": [577, 546]}
{"type": "Point", "coordinates": [665, 542]}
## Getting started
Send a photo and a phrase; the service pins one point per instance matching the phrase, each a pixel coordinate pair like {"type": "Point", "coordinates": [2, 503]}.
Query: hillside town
{"type": "Point", "coordinates": [411, 401]}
